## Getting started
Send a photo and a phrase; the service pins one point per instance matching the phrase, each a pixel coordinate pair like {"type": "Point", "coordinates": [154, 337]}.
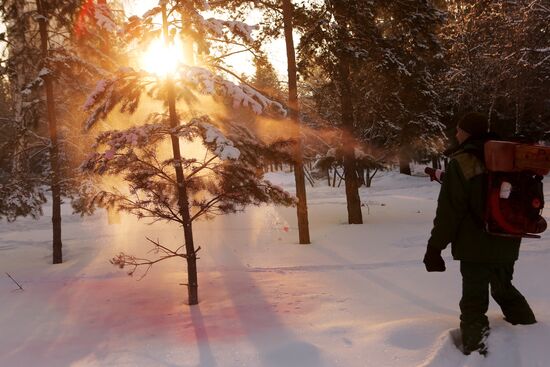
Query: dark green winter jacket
{"type": "Point", "coordinates": [460, 211]}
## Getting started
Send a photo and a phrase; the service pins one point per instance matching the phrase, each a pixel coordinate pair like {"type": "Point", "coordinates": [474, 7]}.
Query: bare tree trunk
{"type": "Point", "coordinates": [352, 189]}
{"type": "Point", "coordinates": [303, 225]}
{"type": "Point", "coordinates": [348, 121]}
{"type": "Point", "coordinates": [54, 146]}
{"type": "Point", "coordinates": [309, 177]}
{"type": "Point", "coordinates": [404, 163]}
{"type": "Point", "coordinates": [183, 200]}
{"type": "Point", "coordinates": [435, 162]}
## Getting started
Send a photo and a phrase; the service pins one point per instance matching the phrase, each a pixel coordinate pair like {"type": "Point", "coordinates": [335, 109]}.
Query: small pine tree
{"type": "Point", "coordinates": [265, 77]}
{"type": "Point", "coordinates": [180, 188]}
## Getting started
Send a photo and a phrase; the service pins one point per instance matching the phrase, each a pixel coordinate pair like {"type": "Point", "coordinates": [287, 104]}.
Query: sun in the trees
{"type": "Point", "coordinates": [161, 59]}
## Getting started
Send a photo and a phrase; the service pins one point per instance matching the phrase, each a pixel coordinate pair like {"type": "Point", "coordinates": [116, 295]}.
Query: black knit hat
{"type": "Point", "coordinates": [475, 124]}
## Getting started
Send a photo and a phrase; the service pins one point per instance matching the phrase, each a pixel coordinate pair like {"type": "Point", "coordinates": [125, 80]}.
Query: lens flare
{"type": "Point", "coordinates": [162, 59]}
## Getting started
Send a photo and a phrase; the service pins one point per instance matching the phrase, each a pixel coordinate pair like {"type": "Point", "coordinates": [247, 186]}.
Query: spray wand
{"type": "Point", "coordinates": [435, 174]}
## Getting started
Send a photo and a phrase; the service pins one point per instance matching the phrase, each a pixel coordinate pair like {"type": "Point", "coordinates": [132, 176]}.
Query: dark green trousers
{"type": "Point", "coordinates": [476, 279]}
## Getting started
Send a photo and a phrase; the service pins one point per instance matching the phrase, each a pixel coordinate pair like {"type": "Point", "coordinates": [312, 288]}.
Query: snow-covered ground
{"type": "Point", "coordinates": [357, 296]}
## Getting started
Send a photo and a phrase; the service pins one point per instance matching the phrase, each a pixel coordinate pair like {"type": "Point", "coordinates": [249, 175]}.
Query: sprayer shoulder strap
{"type": "Point", "coordinates": [470, 164]}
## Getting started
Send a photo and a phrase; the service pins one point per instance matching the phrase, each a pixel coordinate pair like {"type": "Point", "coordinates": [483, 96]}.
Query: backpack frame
{"type": "Point", "coordinates": [514, 190]}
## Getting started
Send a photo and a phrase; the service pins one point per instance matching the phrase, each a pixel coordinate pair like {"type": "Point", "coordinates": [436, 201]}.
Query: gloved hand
{"type": "Point", "coordinates": [435, 174]}
{"type": "Point", "coordinates": [433, 260]}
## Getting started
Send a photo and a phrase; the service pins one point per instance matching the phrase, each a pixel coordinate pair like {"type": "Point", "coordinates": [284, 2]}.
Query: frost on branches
{"type": "Point", "coordinates": [225, 181]}
{"type": "Point", "coordinates": [215, 27]}
{"type": "Point", "coordinates": [128, 85]}
{"type": "Point", "coordinates": [20, 198]}
{"type": "Point", "coordinates": [237, 95]}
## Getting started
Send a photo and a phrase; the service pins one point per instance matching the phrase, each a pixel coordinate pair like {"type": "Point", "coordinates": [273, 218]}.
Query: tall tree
{"type": "Point", "coordinates": [394, 55]}
{"type": "Point", "coordinates": [45, 73]}
{"type": "Point", "coordinates": [332, 43]}
{"type": "Point", "coordinates": [20, 196]}
{"type": "Point", "coordinates": [265, 77]}
{"type": "Point", "coordinates": [299, 178]}
{"type": "Point", "coordinates": [410, 29]}
{"type": "Point", "coordinates": [47, 142]}
{"type": "Point", "coordinates": [279, 15]}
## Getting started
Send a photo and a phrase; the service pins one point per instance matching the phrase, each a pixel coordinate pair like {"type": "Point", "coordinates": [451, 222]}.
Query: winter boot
{"type": "Point", "coordinates": [524, 320]}
{"type": "Point", "coordinates": [474, 339]}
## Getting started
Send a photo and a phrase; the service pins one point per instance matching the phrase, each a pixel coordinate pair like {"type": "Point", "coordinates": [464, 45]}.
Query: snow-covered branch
{"type": "Point", "coordinates": [239, 95]}
{"type": "Point", "coordinates": [223, 147]}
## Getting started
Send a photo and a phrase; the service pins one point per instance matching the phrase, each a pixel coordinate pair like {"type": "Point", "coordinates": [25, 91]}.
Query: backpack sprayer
{"type": "Point", "coordinates": [514, 197]}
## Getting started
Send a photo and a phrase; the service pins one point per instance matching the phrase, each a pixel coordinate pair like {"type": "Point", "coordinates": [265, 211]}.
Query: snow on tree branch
{"type": "Point", "coordinates": [116, 141]}
{"type": "Point", "coordinates": [99, 90]}
{"type": "Point", "coordinates": [141, 29]}
{"type": "Point", "coordinates": [68, 59]}
{"type": "Point", "coordinates": [216, 26]}
{"type": "Point", "coordinates": [43, 72]}
{"type": "Point", "coordinates": [240, 95]}
{"type": "Point", "coordinates": [541, 50]}
{"type": "Point", "coordinates": [104, 18]}
{"type": "Point", "coordinates": [20, 199]}
{"type": "Point", "coordinates": [36, 83]}
{"type": "Point", "coordinates": [241, 29]}
{"type": "Point", "coordinates": [224, 147]}
{"type": "Point", "coordinates": [151, 12]}
{"type": "Point", "coordinates": [125, 88]}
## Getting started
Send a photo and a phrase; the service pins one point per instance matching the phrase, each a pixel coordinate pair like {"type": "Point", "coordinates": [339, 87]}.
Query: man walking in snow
{"type": "Point", "coordinates": [485, 259]}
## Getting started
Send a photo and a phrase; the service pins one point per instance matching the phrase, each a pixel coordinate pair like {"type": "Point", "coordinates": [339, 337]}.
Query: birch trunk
{"type": "Point", "coordinates": [16, 33]}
